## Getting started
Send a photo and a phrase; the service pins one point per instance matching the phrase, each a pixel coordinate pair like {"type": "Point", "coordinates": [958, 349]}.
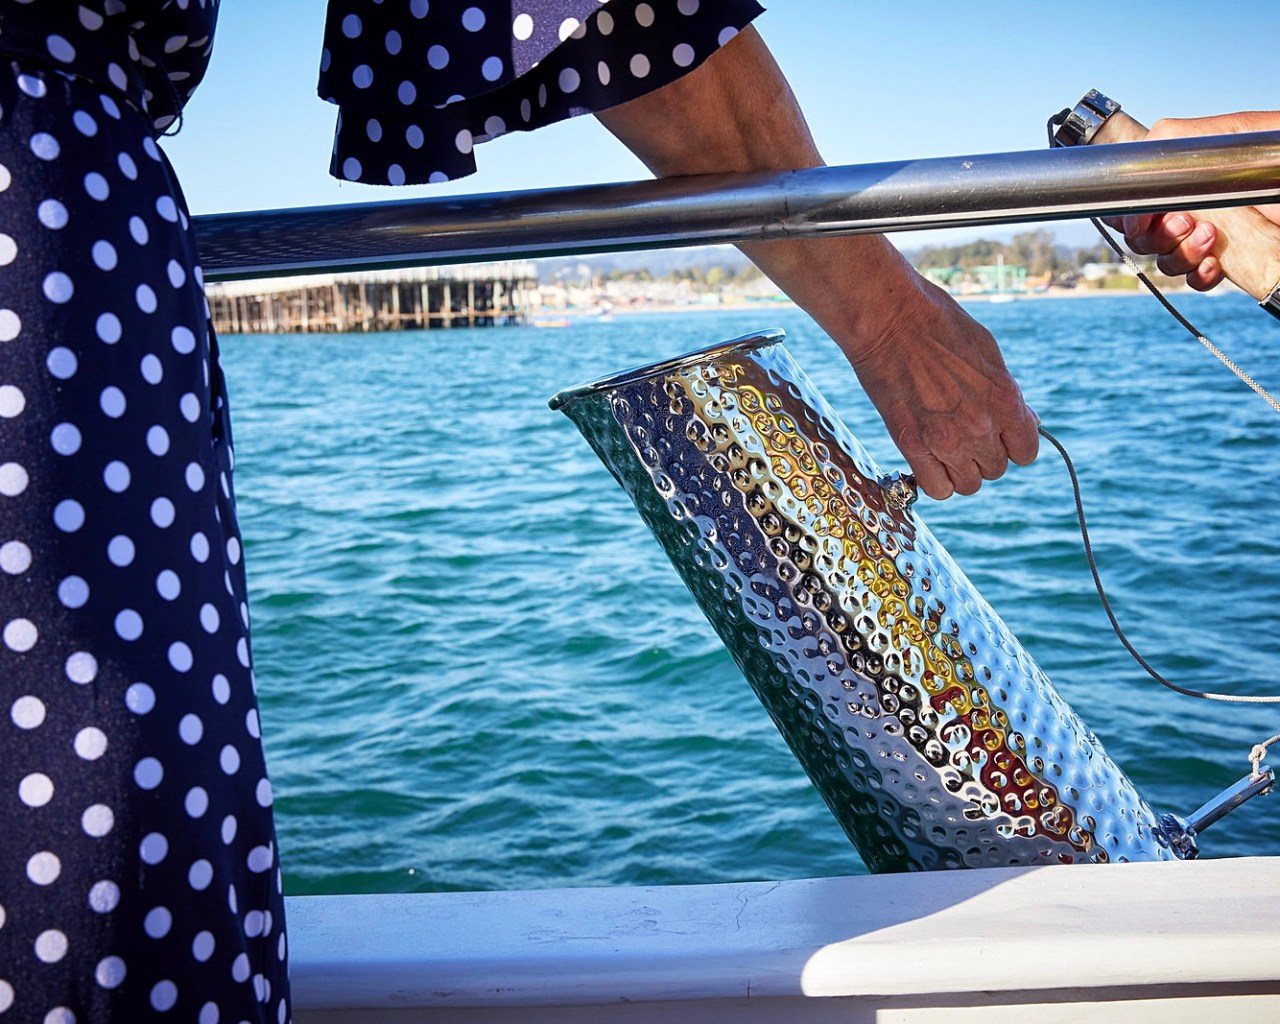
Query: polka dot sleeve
{"type": "Point", "coordinates": [494, 67]}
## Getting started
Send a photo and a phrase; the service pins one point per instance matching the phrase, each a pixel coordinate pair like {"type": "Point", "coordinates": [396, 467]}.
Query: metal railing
{"type": "Point", "coordinates": [993, 188]}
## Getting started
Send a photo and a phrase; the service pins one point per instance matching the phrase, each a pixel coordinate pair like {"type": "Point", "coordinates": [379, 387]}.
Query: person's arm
{"type": "Point", "coordinates": [1183, 244]}
{"type": "Point", "coordinates": [935, 375]}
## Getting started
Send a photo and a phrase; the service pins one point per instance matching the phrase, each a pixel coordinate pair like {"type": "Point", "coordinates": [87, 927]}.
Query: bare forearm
{"type": "Point", "coordinates": [737, 113]}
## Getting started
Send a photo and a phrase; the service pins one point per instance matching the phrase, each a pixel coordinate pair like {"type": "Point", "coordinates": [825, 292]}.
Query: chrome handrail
{"type": "Point", "coordinates": [940, 192]}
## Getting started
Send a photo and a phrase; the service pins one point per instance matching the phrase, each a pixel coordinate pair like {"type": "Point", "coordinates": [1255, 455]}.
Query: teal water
{"type": "Point", "coordinates": [478, 670]}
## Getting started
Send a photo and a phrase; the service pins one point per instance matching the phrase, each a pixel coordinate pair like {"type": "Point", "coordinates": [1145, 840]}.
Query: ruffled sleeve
{"type": "Point", "coordinates": [419, 84]}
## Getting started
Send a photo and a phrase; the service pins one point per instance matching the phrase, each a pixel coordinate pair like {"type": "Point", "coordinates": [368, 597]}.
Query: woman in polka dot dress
{"type": "Point", "coordinates": [139, 872]}
{"type": "Point", "coordinates": [139, 875]}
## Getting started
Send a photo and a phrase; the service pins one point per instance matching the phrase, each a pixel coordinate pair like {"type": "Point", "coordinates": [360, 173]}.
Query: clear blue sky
{"type": "Point", "coordinates": [878, 81]}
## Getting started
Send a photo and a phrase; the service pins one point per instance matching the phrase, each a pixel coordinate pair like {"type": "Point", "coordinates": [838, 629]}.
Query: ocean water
{"type": "Point", "coordinates": [478, 670]}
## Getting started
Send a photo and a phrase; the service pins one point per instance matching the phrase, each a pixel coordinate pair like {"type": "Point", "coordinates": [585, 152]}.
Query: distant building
{"type": "Point", "coordinates": [383, 300]}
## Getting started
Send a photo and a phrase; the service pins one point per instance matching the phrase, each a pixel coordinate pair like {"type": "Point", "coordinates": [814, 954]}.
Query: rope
{"type": "Point", "coordinates": [1115, 625]}
{"type": "Point", "coordinates": [1259, 751]}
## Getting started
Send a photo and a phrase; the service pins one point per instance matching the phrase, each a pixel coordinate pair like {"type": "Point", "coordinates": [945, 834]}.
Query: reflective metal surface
{"type": "Point", "coordinates": [932, 735]}
{"type": "Point", "coordinates": [992, 188]}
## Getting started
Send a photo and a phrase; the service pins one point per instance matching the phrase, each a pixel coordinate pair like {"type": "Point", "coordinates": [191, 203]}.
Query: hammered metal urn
{"type": "Point", "coordinates": [931, 734]}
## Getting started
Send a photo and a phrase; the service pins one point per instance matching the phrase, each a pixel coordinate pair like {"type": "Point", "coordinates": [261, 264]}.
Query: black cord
{"type": "Point", "coordinates": [1106, 604]}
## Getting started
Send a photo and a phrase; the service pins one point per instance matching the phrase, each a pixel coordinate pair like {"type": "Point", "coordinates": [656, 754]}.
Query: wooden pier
{"type": "Point", "coordinates": [479, 295]}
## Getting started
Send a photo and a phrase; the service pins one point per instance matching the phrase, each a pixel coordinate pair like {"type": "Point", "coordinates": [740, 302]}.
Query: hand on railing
{"type": "Point", "coordinates": [1190, 244]}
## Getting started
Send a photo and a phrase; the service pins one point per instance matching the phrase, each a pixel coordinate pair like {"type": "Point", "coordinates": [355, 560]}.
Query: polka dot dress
{"type": "Point", "coordinates": [420, 82]}
{"type": "Point", "coordinates": [139, 876]}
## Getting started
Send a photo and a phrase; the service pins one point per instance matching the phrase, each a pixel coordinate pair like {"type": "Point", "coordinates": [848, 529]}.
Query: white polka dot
{"type": "Point", "coordinates": [197, 802]}
{"type": "Point", "coordinates": [180, 657]}
{"type": "Point", "coordinates": [240, 968]}
{"type": "Point", "coordinates": [128, 624]}
{"type": "Point", "coordinates": [567, 28]}
{"type": "Point", "coordinates": [140, 698]}
{"type": "Point", "coordinates": [60, 49]}
{"type": "Point", "coordinates": [13, 479]}
{"type": "Point", "coordinates": [202, 945]}
{"type": "Point", "coordinates": [151, 149]}
{"type": "Point", "coordinates": [209, 618]}
{"type": "Point", "coordinates": [27, 712]}
{"type": "Point", "coordinates": [491, 69]}
{"type": "Point", "coordinates": [65, 439]}
{"type": "Point", "coordinates": [44, 868]}
{"type": "Point", "coordinates": [6, 990]}
{"type": "Point", "coordinates": [640, 65]}
{"type": "Point", "coordinates": [200, 875]}
{"type": "Point", "coordinates": [254, 922]}
{"type": "Point", "coordinates": [569, 80]}
{"type": "Point", "coordinates": [351, 169]}
{"type": "Point", "coordinates": [183, 340]}
{"type": "Point", "coordinates": [687, 7]}
{"type": "Point", "coordinates": [152, 369]}
{"type": "Point", "coordinates": [112, 402]}
{"type": "Point", "coordinates": [189, 405]}
{"type": "Point", "coordinates": [120, 550]}
{"type": "Point", "coordinates": [251, 723]}
{"type": "Point", "coordinates": [62, 362]}
{"type": "Point", "coordinates": [221, 688]}
{"type": "Point", "coordinates": [127, 167]}
{"type": "Point", "coordinates": [82, 667]}
{"type": "Point", "coordinates": [395, 175]}
{"type": "Point", "coordinates": [110, 972]}
{"type": "Point", "coordinates": [351, 26]}
{"type": "Point", "coordinates": [229, 759]}
{"type": "Point", "coordinates": [68, 516]}
{"type": "Point", "coordinates": [138, 229]}
{"type": "Point", "coordinates": [168, 585]}
{"type": "Point", "coordinates": [8, 250]}
{"type": "Point", "coordinates": [91, 743]}
{"type": "Point", "coordinates": [108, 104]}
{"type": "Point", "coordinates": [682, 55]}
{"type": "Point", "coordinates": [96, 186]}
{"type": "Point", "coordinates": [199, 547]}
{"type": "Point", "coordinates": [522, 27]}
{"type": "Point", "coordinates": [108, 328]}
{"type": "Point", "coordinates": [463, 141]}
{"type": "Point", "coordinates": [52, 214]}
{"type": "Point", "coordinates": [163, 996]}
{"type": "Point", "coordinates": [644, 15]}
{"type": "Point", "coordinates": [10, 325]}
{"type": "Point", "coordinates": [167, 208]}
{"type": "Point", "coordinates": [362, 76]}
{"type": "Point", "coordinates": [726, 34]}
{"type": "Point", "coordinates": [604, 23]}
{"type": "Point", "coordinates": [494, 126]}
{"type": "Point", "coordinates": [148, 773]}
{"type": "Point", "coordinates": [45, 146]}
{"type": "Point", "coordinates": [157, 922]}
{"type": "Point", "coordinates": [145, 297]}
{"type": "Point", "coordinates": [20, 635]}
{"type": "Point", "coordinates": [438, 57]}
{"type": "Point", "coordinates": [419, 8]}
{"type": "Point", "coordinates": [259, 859]}
{"type": "Point", "coordinates": [373, 129]}
{"type": "Point", "coordinates": [15, 557]}
{"type": "Point", "coordinates": [228, 829]}
{"type": "Point", "coordinates": [97, 820]}
{"type": "Point", "coordinates": [51, 946]}
{"type": "Point", "coordinates": [263, 793]}
{"type": "Point", "coordinates": [36, 789]}
{"type": "Point", "coordinates": [233, 551]}
{"type": "Point", "coordinates": [407, 92]}
{"type": "Point", "coordinates": [195, 476]}
{"type": "Point", "coordinates": [242, 652]}
{"type": "Point", "coordinates": [162, 512]}
{"type": "Point", "coordinates": [58, 287]}
{"type": "Point", "coordinates": [393, 42]}
{"type": "Point", "coordinates": [414, 137]}
{"type": "Point", "coordinates": [12, 401]}
{"type": "Point", "coordinates": [32, 86]}
{"type": "Point", "coordinates": [153, 848]}
{"type": "Point", "coordinates": [116, 476]}
{"type": "Point", "coordinates": [190, 728]}
{"type": "Point", "coordinates": [473, 19]}
{"type": "Point", "coordinates": [104, 897]}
